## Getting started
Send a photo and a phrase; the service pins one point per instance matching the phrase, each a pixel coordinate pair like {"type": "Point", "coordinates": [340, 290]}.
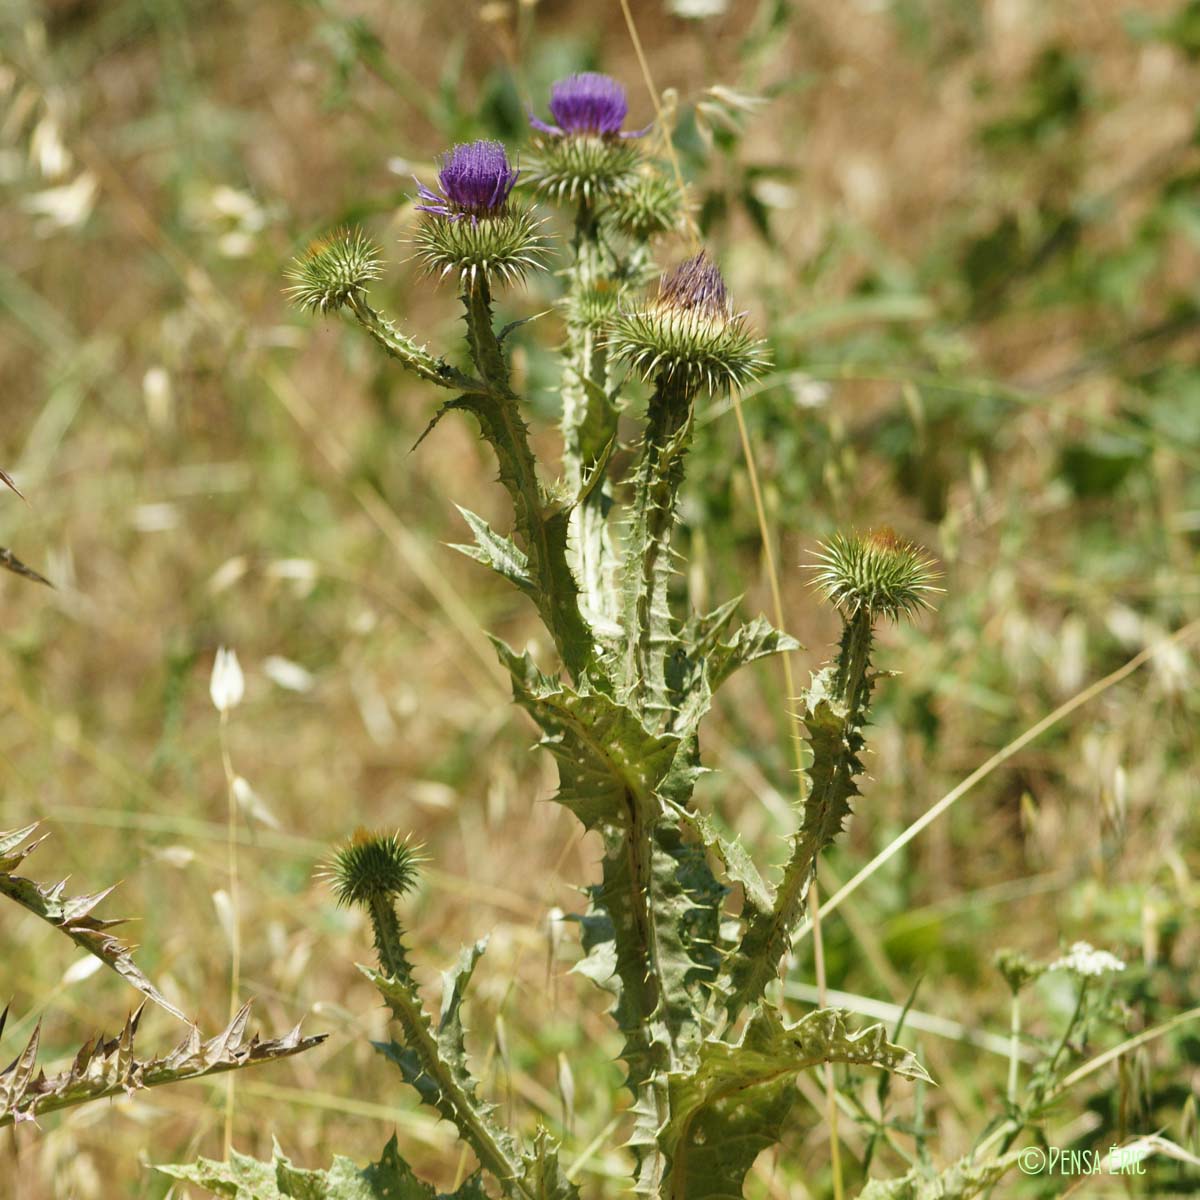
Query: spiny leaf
{"type": "Point", "coordinates": [707, 661]}
{"type": "Point", "coordinates": [244, 1178]}
{"type": "Point", "coordinates": [609, 766]}
{"type": "Point", "coordinates": [544, 1178]}
{"type": "Point", "coordinates": [500, 553]}
{"type": "Point", "coordinates": [736, 860]}
{"type": "Point", "coordinates": [104, 1068]}
{"type": "Point", "coordinates": [962, 1180]}
{"type": "Point", "coordinates": [735, 1103]}
{"type": "Point", "coordinates": [434, 1064]}
{"type": "Point", "coordinates": [650, 932]}
{"type": "Point", "coordinates": [11, 562]}
{"type": "Point", "coordinates": [753, 641]}
{"type": "Point", "coordinates": [6, 479]}
{"type": "Point", "coordinates": [73, 917]}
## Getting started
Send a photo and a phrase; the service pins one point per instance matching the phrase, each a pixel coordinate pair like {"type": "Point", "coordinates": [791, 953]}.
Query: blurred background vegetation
{"type": "Point", "coordinates": [971, 231]}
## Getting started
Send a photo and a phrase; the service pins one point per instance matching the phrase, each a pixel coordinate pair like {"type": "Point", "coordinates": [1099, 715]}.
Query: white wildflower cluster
{"type": "Point", "coordinates": [1085, 959]}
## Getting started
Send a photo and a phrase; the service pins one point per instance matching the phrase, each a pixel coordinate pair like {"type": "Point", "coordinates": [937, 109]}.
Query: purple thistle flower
{"type": "Point", "coordinates": [475, 179]}
{"type": "Point", "coordinates": [587, 103]}
{"type": "Point", "coordinates": [696, 285]}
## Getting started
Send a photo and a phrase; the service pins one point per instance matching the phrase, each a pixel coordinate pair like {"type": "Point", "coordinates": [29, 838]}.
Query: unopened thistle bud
{"type": "Point", "coordinates": [469, 228]}
{"type": "Point", "coordinates": [648, 206]}
{"type": "Point", "coordinates": [373, 866]}
{"type": "Point", "coordinates": [374, 870]}
{"type": "Point", "coordinates": [689, 332]}
{"type": "Point", "coordinates": [335, 271]}
{"type": "Point", "coordinates": [585, 154]}
{"type": "Point", "coordinates": [878, 574]}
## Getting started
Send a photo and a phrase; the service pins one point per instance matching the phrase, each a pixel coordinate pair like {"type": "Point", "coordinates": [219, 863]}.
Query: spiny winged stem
{"type": "Point", "coordinates": [402, 348]}
{"type": "Point", "coordinates": [647, 569]}
{"type": "Point", "coordinates": [389, 937]}
{"type": "Point", "coordinates": [835, 711]}
{"type": "Point", "coordinates": [452, 1099]}
{"type": "Point", "coordinates": [544, 532]}
{"type": "Point", "coordinates": [851, 683]}
{"type": "Point", "coordinates": [589, 418]}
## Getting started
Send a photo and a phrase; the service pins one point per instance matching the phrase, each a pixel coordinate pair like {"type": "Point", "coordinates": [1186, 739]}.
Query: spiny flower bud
{"type": "Point", "coordinates": [335, 271]}
{"type": "Point", "coordinates": [469, 228]}
{"type": "Point", "coordinates": [649, 205]}
{"type": "Point", "coordinates": [593, 307]}
{"type": "Point", "coordinates": [689, 331]}
{"type": "Point", "coordinates": [586, 153]}
{"type": "Point", "coordinates": [878, 573]}
{"type": "Point", "coordinates": [373, 866]}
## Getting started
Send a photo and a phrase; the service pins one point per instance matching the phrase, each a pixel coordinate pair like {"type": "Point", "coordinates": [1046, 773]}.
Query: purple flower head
{"type": "Point", "coordinates": [475, 181]}
{"type": "Point", "coordinates": [588, 103]}
{"type": "Point", "coordinates": [696, 285]}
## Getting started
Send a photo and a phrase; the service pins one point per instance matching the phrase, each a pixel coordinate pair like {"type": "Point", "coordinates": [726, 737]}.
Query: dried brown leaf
{"type": "Point", "coordinates": [72, 917]}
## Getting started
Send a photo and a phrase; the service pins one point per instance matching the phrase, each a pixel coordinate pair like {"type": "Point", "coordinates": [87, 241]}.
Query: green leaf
{"type": "Point", "coordinates": [734, 857]}
{"type": "Point", "coordinates": [707, 661]}
{"type": "Point", "coordinates": [244, 1178]}
{"type": "Point", "coordinates": [500, 553]}
{"type": "Point", "coordinates": [735, 1103]}
{"type": "Point", "coordinates": [753, 641]}
{"type": "Point", "coordinates": [650, 932]}
{"type": "Point", "coordinates": [434, 1064]}
{"type": "Point", "coordinates": [609, 765]}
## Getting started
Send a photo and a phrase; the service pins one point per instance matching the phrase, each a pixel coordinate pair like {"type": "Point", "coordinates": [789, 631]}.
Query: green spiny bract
{"type": "Point", "coordinates": [586, 169]}
{"type": "Point", "coordinates": [878, 573]}
{"type": "Point", "coordinates": [334, 272]}
{"type": "Point", "coordinates": [646, 207]}
{"type": "Point", "coordinates": [373, 866]}
{"type": "Point", "coordinates": [374, 870]}
{"type": "Point", "coordinates": [504, 247]}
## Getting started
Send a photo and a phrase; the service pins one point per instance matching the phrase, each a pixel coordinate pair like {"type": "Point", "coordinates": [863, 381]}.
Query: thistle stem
{"type": "Point", "coordinates": [402, 348]}
{"type": "Point", "coordinates": [589, 421]}
{"type": "Point", "coordinates": [544, 533]}
{"type": "Point", "coordinates": [850, 680]}
{"type": "Point", "coordinates": [389, 942]}
{"type": "Point", "coordinates": [405, 1004]}
{"type": "Point", "coordinates": [647, 567]}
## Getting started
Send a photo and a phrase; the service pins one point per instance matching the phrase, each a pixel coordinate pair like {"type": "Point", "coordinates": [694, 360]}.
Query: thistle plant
{"type": "Point", "coordinates": [710, 1057]}
{"type": "Point", "coordinates": [709, 1054]}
